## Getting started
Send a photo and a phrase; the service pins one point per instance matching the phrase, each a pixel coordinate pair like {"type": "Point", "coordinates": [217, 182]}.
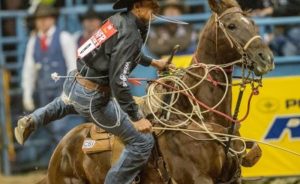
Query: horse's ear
{"type": "Point", "coordinates": [219, 6]}
{"type": "Point", "coordinates": [216, 6]}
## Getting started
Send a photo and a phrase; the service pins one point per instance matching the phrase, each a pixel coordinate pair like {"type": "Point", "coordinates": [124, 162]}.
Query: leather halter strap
{"type": "Point", "coordinates": [230, 38]}
{"type": "Point", "coordinates": [230, 11]}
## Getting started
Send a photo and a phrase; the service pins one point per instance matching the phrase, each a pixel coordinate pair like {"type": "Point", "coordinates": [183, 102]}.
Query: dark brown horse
{"type": "Point", "coordinates": [228, 35]}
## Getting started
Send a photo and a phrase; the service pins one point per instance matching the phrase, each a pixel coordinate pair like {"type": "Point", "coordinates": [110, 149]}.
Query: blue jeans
{"type": "Point", "coordinates": [106, 113]}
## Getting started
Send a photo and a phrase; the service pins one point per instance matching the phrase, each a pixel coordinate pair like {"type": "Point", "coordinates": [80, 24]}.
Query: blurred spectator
{"type": "Point", "coordinates": [48, 50]}
{"type": "Point", "coordinates": [91, 22]}
{"type": "Point", "coordinates": [254, 5]}
{"type": "Point", "coordinates": [14, 5]}
{"type": "Point", "coordinates": [285, 39]}
{"type": "Point", "coordinates": [262, 8]}
{"type": "Point", "coordinates": [9, 24]}
{"type": "Point", "coordinates": [281, 8]}
{"type": "Point", "coordinates": [164, 37]}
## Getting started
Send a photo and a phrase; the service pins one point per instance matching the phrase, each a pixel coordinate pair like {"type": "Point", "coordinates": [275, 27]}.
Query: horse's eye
{"type": "Point", "coordinates": [231, 26]}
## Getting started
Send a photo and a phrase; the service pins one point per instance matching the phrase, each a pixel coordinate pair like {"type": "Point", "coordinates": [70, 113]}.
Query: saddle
{"type": "Point", "coordinates": [99, 141]}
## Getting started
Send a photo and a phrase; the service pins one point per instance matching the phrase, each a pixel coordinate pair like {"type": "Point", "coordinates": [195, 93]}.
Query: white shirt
{"type": "Point", "coordinates": [30, 71]}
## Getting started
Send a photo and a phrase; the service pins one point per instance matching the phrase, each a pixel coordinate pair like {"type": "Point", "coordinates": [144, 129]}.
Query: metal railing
{"type": "Point", "coordinates": [3, 128]}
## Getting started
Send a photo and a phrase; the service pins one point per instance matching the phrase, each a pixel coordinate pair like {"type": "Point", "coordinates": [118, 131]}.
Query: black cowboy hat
{"type": "Point", "coordinates": [90, 14]}
{"type": "Point", "coordinates": [45, 11]}
{"type": "Point", "coordinates": [120, 4]}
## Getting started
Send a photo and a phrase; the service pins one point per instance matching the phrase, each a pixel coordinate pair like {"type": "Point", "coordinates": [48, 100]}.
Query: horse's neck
{"type": "Point", "coordinates": [207, 53]}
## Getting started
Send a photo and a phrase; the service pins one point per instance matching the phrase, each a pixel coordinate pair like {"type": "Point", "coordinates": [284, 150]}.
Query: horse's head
{"type": "Point", "coordinates": [241, 33]}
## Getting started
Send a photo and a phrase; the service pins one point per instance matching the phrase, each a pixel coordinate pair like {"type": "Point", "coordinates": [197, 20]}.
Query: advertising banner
{"type": "Point", "coordinates": [275, 119]}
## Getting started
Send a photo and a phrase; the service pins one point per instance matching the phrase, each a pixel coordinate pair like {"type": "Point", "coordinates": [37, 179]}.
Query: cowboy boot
{"type": "Point", "coordinates": [24, 129]}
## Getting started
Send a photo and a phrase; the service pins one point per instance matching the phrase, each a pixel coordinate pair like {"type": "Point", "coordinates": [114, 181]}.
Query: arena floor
{"type": "Point", "coordinates": [30, 178]}
{"type": "Point", "coordinates": [34, 177]}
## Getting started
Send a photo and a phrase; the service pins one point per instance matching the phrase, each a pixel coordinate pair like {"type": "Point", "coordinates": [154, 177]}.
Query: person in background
{"type": "Point", "coordinates": [279, 8]}
{"type": "Point", "coordinates": [91, 22]}
{"type": "Point", "coordinates": [255, 6]}
{"type": "Point", "coordinates": [48, 50]}
{"type": "Point", "coordinates": [284, 40]}
{"type": "Point", "coordinates": [164, 37]}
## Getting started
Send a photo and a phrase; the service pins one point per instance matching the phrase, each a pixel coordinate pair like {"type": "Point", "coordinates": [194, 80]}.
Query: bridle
{"type": "Point", "coordinates": [245, 63]}
{"type": "Point", "coordinates": [241, 49]}
{"type": "Point", "coordinates": [231, 39]}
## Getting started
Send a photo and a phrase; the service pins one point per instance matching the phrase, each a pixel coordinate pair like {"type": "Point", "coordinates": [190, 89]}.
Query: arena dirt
{"type": "Point", "coordinates": [34, 177]}
{"type": "Point", "coordinates": [29, 178]}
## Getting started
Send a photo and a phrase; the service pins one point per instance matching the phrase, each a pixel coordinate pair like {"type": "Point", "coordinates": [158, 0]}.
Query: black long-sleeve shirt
{"type": "Point", "coordinates": [116, 58]}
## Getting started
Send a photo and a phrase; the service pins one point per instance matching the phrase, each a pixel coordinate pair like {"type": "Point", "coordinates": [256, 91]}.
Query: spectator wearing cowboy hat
{"type": "Point", "coordinates": [99, 88]}
{"type": "Point", "coordinates": [164, 37]}
{"type": "Point", "coordinates": [48, 50]}
{"type": "Point", "coordinates": [90, 22]}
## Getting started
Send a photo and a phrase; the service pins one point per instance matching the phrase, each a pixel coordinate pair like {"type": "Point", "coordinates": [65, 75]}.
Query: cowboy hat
{"type": "Point", "coordinates": [45, 11]}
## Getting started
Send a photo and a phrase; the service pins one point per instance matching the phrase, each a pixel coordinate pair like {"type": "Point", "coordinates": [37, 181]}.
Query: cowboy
{"type": "Point", "coordinates": [99, 88]}
{"type": "Point", "coordinates": [90, 22]}
{"type": "Point", "coordinates": [48, 50]}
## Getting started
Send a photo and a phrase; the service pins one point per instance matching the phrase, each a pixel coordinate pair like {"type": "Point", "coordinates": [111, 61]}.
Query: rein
{"type": "Point", "coordinates": [242, 51]}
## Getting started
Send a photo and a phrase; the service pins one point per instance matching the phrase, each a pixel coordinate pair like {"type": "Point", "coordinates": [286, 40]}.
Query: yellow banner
{"type": "Point", "coordinates": [274, 118]}
{"type": "Point", "coordinates": [182, 61]}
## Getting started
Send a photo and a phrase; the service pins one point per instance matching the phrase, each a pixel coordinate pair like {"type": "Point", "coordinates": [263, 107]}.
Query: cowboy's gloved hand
{"type": "Point", "coordinates": [143, 126]}
{"type": "Point", "coordinates": [28, 103]}
{"type": "Point", "coordinates": [162, 64]}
